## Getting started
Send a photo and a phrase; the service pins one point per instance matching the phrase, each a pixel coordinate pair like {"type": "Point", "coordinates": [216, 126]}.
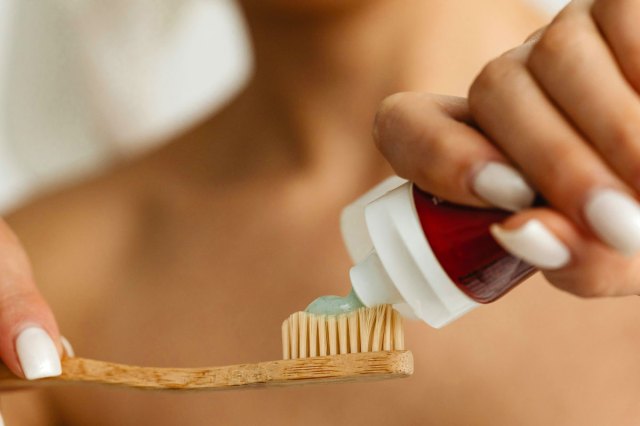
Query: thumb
{"type": "Point", "coordinates": [29, 338]}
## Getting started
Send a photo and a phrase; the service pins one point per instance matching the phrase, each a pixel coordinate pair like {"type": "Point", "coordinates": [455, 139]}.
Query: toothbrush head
{"type": "Point", "coordinates": [307, 335]}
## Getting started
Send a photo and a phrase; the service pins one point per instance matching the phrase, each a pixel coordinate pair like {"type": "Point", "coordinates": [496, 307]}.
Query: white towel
{"type": "Point", "coordinates": [84, 80]}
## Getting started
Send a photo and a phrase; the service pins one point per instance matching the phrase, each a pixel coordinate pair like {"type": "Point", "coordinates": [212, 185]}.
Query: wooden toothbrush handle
{"type": "Point", "coordinates": [326, 369]}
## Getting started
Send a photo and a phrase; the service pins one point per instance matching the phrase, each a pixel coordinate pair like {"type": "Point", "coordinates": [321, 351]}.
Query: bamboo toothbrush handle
{"type": "Point", "coordinates": [326, 369]}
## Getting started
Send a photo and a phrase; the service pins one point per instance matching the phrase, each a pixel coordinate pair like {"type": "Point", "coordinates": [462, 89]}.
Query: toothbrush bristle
{"type": "Point", "coordinates": [365, 330]}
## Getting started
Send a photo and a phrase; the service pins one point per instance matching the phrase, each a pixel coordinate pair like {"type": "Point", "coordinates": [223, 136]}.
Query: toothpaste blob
{"type": "Point", "coordinates": [335, 305]}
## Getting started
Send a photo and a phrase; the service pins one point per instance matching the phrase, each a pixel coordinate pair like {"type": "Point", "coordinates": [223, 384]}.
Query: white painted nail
{"type": "Point", "coordinates": [615, 217]}
{"type": "Point", "coordinates": [534, 244]}
{"type": "Point", "coordinates": [68, 349]}
{"type": "Point", "coordinates": [503, 186]}
{"type": "Point", "coordinates": [37, 354]}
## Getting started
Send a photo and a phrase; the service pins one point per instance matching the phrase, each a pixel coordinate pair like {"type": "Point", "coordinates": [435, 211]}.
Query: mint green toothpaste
{"type": "Point", "coordinates": [335, 305]}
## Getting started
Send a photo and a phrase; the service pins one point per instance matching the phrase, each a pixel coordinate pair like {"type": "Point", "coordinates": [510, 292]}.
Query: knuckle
{"type": "Point", "coordinates": [440, 164]}
{"type": "Point", "coordinates": [488, 77]}
{"type": "Point", "coordinates": [620, 148]}
{"type": "Point", "coordinates": [390, 111]}
{"type": "Point", "coordinates": [432, 146]}
{"type": "Point", "coordinates": [404, 124]}
{"type": "Point", "coordinates": [492, 77]}
{"type": "Point", "coordinates": [622, 137]}
{"type": "Point", "coordinates": [560, 37]}
{"type": "Point", "coordinates": [426, 151]}
{"type": "Point", "coordinates": [423, 149]}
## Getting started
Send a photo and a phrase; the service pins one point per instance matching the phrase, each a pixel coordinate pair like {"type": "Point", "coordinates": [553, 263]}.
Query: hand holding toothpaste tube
{"type": "Point", "coordinates": [559, 115]}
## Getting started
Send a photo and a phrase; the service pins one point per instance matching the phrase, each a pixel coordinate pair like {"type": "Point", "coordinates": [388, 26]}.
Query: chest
{"type": "Point", "coordinates": [216, 284]}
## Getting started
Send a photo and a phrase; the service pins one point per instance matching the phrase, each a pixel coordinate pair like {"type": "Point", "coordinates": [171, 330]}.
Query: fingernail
{"type": "Point", "coordinates": [1, 420]}
{"type": "Point", "coordinates": [68, 349]}
{"type": "Point", "coordinates": [615, 217]}
{"type": "Point", "coordinates": [503, 186]}
{"type": "Point", "coordinates": [534, 244]}
{"type": "Point", "coordinates": [37, 354]}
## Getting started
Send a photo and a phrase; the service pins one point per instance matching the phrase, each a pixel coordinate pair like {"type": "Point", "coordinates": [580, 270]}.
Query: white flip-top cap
{"type": "Point", "coordinates": [393, 261]}
{"type": "Point", "coordinates": [353, 225]}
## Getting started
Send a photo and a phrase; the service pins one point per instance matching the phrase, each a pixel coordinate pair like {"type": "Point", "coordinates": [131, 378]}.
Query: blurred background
{"type": "Point", "coordinates": [84, 82]}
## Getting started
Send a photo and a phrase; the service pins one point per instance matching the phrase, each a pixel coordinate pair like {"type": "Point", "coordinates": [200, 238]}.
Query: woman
{"type": "Point", "coordinates": [194, 254]}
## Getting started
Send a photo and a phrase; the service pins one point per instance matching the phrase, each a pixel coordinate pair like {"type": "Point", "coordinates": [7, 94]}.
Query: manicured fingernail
{"type": "Point", "coordinates": [534, 244]}
{"type": "Point", "coordinates": [615, 217]}
{"type": "Point", "coordinates": [37, 354]}
{"type": "Point", "coordinates": [503, 186]}
{"type": "Point", "coordinates": [68, 349]}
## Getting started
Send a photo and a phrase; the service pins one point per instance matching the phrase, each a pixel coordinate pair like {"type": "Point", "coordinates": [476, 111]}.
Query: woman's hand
{"type": "Point", "coordinates": [30, 344]}
{"type": "Point", "coordinates": [560, 114]}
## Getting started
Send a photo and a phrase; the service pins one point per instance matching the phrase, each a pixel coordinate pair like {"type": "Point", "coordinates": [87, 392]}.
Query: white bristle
{"type": "Point", "coordinates": [286, 352]}
{"type": "Point", "coordinates": [303, 340]}
{"type": "Point", "coordinates": [398, 331]}
{"type": "Point", "coordinates": [293, 334]}
{"type": "Point", "coordinates": [366, 319]}
{"type": "Point", "coordinates": [378, 329]}
{"type": "Point", "coordinates": [365, 330]}
{"type": "Point", "coordinates": [322, 335]}
{"type": "Point", "coordinates": [332, 332]}
{"type": "Point", "coordinates": [354, 333]}
{"type": "Point", "coordinates": [343, 336]}
{"type": "Point", "coordinates": [313, 335]}
{"type": "Point", "coordinates": [387, 340]}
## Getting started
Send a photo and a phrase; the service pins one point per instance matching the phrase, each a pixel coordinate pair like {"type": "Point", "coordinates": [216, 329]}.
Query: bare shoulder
{"type": "Point", "coordinates": [75, 222]}
{"type": "Point", "coordinates": [80, 236]}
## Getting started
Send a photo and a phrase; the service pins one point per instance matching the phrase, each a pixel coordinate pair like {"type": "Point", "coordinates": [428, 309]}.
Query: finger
{"type": "Point", "coordinates": [552, 154]}
{"type": "Point", "coordinates": [618, 22]}
{"type": "Point", "coordinates": [29, 338]}
{"type": "Point", "coordinates": [576, 69]}
{"type": "Point", "coordinates": [427, 140]}
{"type": "Point", "coordinates": [571, 259]}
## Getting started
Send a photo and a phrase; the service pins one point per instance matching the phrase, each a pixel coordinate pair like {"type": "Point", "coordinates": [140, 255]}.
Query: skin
{"type": "Point", "coordinates": [147, 263]}
{"type": "Point", "coordinates": [570, 131]}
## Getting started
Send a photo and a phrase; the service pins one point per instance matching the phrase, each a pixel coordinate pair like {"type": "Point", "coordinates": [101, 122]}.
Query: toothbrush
{"type": "Point", "coordinates": [383, 359]}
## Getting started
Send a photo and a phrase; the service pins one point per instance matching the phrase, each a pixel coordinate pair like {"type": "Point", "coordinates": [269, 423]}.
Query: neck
{"type": "Point", "coordinates": [320, 76]}
{"type": "Point", "coordinates": [328, 73]}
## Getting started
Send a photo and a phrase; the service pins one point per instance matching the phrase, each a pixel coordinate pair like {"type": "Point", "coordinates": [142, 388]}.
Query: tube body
{"type": "Point", "coordinates": [433, 260]}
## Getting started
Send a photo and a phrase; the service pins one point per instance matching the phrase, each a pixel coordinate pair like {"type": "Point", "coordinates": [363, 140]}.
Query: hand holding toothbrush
{"type": "Point", "coordinates": [561, 114]}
